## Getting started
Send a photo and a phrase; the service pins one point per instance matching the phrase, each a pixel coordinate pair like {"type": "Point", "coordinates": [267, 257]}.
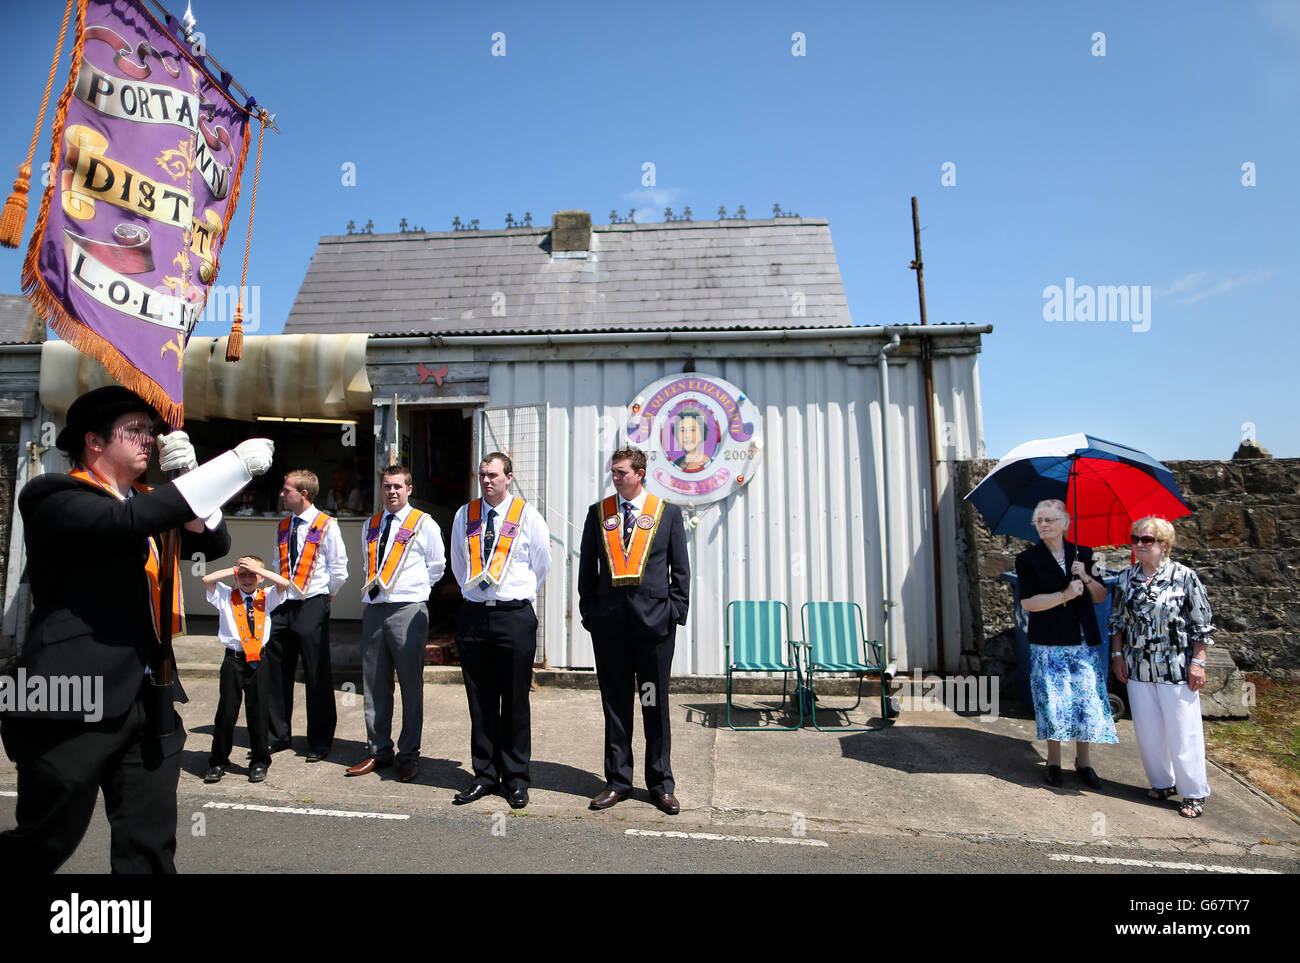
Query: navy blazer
{"type": "Point", "coordinates": [1039, 573]}
{"type": "Point", "coordinates": [647, 611]}
{"type": "Point", "coordinates": [86, 552]}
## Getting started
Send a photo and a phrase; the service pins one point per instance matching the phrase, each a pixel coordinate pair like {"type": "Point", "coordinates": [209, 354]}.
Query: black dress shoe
{"type": "Point", "coordinates": [1088, 776]}
{"type": "Point", "coordinates": [257, 773]}
{"type": "Point", "coordinates": [316, 755]}
{"type": "Point", "coordinates": [279, 746]}
{"type": "Point", "coordinates": [609, 798]}
{"type": "Point", "coordinates": [214, 773]}
{"type": "Point", "coordinates": [667, 803]}
{"type": "Point", "coordinates": [518, 798]}
{"type": "Point", "coordinates": [1053, 775]}
{"type": "Point", "coordinates": [472, 794]}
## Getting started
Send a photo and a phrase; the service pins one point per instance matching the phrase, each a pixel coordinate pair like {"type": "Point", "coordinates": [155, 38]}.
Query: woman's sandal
{"type": "Point", "coordinates": [1192, 808]}
{"type": "Point", "coordinates": [1154, 793]}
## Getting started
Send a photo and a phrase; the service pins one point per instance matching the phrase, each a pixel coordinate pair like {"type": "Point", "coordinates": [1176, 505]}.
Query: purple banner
{"type": "Point", "coordinates": [145, 166]}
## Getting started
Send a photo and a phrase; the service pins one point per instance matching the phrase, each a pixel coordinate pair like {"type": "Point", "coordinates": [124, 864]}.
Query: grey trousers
{"type": "Point", "coordinates": [393, 636]}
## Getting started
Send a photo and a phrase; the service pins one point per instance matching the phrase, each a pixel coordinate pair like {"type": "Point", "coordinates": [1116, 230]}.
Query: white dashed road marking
{"type": "Point", "coordinates": [1160, 864]}
{"type": "Point", "coordinates": [344, 813]}
{"type": "Point", "coordinates": [779, 840]}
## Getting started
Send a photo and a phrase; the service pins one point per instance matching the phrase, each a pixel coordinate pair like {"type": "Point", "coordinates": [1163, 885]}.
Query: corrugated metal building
{"type": "Point", "coordinates": [538, 339]}
{"type": "Point", "coordinates": [551, 332]}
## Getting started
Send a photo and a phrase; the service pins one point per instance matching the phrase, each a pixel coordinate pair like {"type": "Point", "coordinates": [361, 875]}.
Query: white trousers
{"type": "Point", "coordinates": [1167, 720]}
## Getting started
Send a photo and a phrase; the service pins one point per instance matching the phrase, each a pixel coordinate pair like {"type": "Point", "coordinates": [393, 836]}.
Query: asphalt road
{"type": "Point", "coordinates": [320, 836]}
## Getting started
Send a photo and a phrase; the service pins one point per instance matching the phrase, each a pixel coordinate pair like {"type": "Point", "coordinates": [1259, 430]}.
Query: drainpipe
{"type": "Point", "coordinates": [891, 630]}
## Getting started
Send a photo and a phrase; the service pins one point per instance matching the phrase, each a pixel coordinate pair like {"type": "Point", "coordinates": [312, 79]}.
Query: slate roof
{"type": "Point", "coordinates": [701, 275]}
{"type": "Point", "coordinates": [18, 321]}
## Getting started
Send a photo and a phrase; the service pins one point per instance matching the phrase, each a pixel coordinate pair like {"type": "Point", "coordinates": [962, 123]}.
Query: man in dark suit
{"type": "Point", "coordinates": [634, 581]}
{"type": "Point", "coordinates": [93, 562]}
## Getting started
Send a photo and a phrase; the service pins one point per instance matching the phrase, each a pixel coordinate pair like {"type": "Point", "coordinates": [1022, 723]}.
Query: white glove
{"type": "Point", "coordinates": [175, 453]}
{"type": "Point", "coordinates": [255, 454]}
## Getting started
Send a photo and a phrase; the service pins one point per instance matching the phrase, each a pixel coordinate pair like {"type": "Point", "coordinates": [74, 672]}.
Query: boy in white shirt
{"type": "Point", "coordinates": [244, 626]}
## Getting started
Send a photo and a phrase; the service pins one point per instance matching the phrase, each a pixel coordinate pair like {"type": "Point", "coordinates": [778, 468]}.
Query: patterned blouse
{"type": "Point", "coordinates": [1160, 619]}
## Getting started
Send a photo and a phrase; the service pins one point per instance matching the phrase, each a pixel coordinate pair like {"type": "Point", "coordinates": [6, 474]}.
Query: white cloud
{"type": "Point", "coordinates": [1200, 285]}
{"type": "Point", "coordinates": [654, 196]}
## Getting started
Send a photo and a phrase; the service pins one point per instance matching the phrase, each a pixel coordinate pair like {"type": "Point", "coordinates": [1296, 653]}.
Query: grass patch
{"type": "Point", "coordinates": [1265, 749]}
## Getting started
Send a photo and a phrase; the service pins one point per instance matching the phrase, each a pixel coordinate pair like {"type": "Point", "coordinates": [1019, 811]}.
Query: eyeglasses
{"type": "Point", "coordinates": [139, 434]}
{"type": "Point", "coordinates": [1144, 539]}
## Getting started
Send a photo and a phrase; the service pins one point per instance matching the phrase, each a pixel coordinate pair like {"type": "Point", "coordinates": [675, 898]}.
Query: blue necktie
{"type": "Point", "coordinates": [627, 523]}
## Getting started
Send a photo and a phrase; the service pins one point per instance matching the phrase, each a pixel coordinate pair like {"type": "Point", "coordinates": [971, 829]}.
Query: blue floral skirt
{"type": "Point", "coordinates": [1070, 703]}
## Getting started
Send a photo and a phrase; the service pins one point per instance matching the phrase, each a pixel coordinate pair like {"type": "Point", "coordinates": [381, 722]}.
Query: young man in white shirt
{"type": "Point", "coordinates": [500, 554]}
{"type": "Point", "coordinates": [312, 557]}
{"type": "Point", "coordinates": [243, 626]}
{"type": "Point", "coordinates": [402, 548]}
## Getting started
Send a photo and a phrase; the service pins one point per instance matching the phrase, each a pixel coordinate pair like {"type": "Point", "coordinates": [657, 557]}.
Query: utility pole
{"type": "Point", "coordinates": [927, 366]}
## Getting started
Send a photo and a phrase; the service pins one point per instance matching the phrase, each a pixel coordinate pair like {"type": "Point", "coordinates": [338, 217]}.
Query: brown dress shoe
{"type": "Point", "coordinates": [366, 767]}
{"type": "Point", "coordinates": [408, 770]}
{"type": "Point", "coordinates": [608, 798]}
{"type": "Point", "coordinates": [667, 803]}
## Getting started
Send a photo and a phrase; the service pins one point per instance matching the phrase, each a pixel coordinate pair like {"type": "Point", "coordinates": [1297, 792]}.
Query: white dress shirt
{"type": "Point", "coordinates": [330, 570]}
{"type": "Point", "coordinates": [227, 630]}
{"type": "Point", "coordinates": [637, 504]}
{"type": "Point", "coordinates": [422, 565]}
{"type": "Point", "coordinates": [530, 558]}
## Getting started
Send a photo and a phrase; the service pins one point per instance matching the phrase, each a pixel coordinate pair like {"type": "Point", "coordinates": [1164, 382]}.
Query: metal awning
{"type": "Point", "coordinates": [283, 375]}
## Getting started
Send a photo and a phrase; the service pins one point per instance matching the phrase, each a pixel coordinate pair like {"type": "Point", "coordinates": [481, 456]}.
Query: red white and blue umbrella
{"type": "Point", "coordinates": [1105, 486]}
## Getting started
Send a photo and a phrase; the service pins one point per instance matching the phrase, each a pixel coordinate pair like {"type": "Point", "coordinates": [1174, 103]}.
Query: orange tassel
{"type": "Point", "coordinates": [235, 343]}
{"type": "Point", "coordinates": [14, 215]}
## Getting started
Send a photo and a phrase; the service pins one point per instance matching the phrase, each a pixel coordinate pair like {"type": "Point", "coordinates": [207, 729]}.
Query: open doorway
{"type": "Point", "coordinates": [438, 445]}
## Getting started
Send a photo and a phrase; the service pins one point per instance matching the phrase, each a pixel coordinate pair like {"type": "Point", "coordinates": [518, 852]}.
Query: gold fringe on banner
{"type": "Point", "coordinates": [14, 215]}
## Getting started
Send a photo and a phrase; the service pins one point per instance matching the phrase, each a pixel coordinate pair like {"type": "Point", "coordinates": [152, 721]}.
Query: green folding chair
{"type": "Point", "coordinates": [758, 640]}
{"type": "Point", "coordinates": [835, 642]}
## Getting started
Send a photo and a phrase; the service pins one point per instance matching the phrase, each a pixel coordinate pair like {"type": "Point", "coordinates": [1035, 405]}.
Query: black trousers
{"type": "Point", "coordinates": [301, 628]}
{"type": "Point", "coordinates": [240, 678]}
{"type": "Point", "coordinates": [497, 646]}
{"type": "Point", "coordinates": [62, 766]}
{"type": "Point", "coordinates": [633, 670]}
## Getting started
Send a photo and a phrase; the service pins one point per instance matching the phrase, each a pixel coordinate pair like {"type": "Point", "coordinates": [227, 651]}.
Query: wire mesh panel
{"type": "Point", "coordinates": [520, 432]}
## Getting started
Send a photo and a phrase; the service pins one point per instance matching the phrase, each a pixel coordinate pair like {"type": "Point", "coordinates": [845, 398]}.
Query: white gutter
{"type": "Point", "coordinates": [685, 337]}
{"type": "Point", "coordinates": [891, 606]}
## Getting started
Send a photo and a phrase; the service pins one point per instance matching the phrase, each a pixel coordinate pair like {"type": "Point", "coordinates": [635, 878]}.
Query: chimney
{"type": "Point", "coordinates": [571, 233]}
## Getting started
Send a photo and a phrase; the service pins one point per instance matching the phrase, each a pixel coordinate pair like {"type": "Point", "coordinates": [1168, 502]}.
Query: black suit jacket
{"type": "Point", "coordinates": [86, 553]}
{"type": "Point", "coordinates": [1039, 573]}
{"type": "Point", "coordinates": [647, 611]}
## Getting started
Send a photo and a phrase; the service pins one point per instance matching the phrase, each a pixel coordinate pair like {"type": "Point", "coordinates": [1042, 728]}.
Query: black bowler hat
{"type": "Point", "coordinates": [93, 409]}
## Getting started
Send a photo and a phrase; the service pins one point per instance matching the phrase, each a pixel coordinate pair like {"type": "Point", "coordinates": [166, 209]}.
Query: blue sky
{"type": "Point", "coordinates": [1122, 169]}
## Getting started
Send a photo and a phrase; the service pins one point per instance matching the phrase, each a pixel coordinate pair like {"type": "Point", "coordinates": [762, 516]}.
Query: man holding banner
{"type": "Point", "coordinates": [93, 560]}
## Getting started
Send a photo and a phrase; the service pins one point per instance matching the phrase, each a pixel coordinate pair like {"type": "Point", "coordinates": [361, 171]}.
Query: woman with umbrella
{"type": "Point", "coordinates": [1160, 625]}
{"type": "Point", "coordinates": [1069, 693]}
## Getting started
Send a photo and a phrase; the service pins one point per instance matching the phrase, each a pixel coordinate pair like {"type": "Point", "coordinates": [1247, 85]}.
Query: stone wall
{"type": "Point", "coordinates": [1242, 538]}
